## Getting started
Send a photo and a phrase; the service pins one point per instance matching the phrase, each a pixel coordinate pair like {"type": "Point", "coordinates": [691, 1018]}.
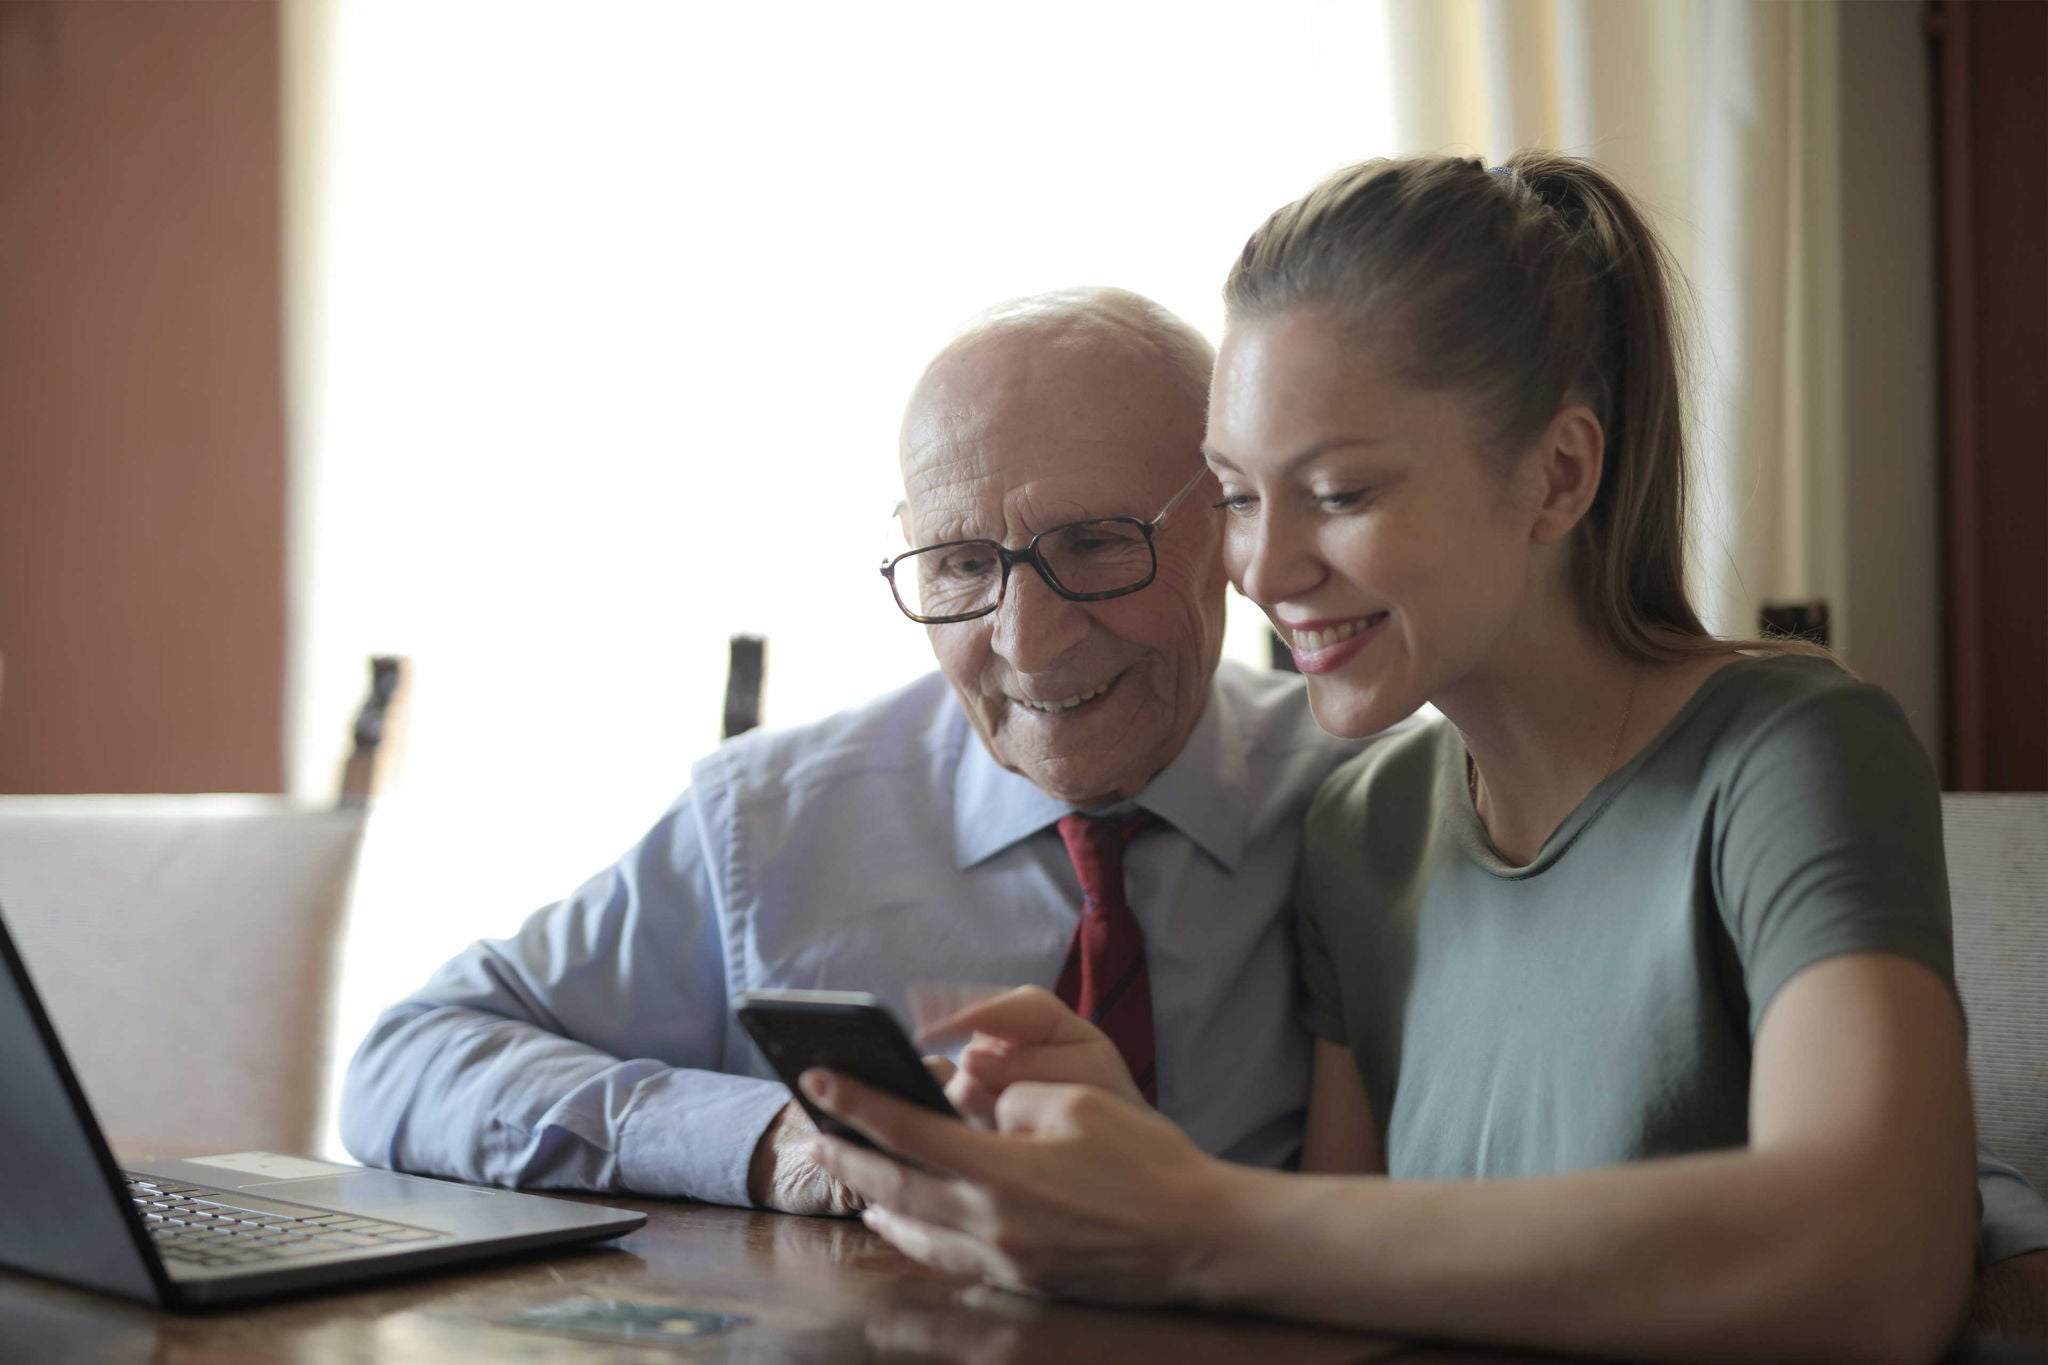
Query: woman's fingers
{"type": "Point", "coordinates": [875, 1176]}
{"type": "Point", "coordinates": [938, 1142]}
{"type": "Point", "coordinates": [973, 1101]}
{"type": "Point", "coordinates": [1043, 1110]}
{"type": "Point", "coordinates": [928, 1244]}
{"type": "Point", "coordinates": [1087, 1060]}
{"type": "Point", "coordinates": [1027, 1034]}
{"type": "Point", "coordinates": [1077, 1191]}
{"type": "Point", "coordinates": [933, 1200]}
{"type": "Point", "coordinates": [970, 1099]}
{"type": "Point", "coordinates": [1028, 1014]}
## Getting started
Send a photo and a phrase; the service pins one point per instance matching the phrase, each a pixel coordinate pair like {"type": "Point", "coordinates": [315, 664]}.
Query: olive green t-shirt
{"type": "Point", "coordinates": [1598, 1005]}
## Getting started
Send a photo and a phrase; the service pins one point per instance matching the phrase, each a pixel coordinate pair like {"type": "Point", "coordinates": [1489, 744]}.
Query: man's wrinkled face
{"type": "Point", "coordinates": [1010, 436]}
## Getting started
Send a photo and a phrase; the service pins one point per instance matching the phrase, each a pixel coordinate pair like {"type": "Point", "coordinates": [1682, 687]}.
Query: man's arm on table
{"type": "Point", "coordinates": [581, 1053]}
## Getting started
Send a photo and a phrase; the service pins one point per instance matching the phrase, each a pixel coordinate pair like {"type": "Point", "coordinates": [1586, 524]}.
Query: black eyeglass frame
{"type": "Point", "coordinates": [1029, 555]}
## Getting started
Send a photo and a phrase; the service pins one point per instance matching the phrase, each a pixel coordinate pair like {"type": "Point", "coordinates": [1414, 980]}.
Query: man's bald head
{"type": "Point", "coordinates": [1050, 410]}
{"type": "Point", "coordinates": [1097, 319]}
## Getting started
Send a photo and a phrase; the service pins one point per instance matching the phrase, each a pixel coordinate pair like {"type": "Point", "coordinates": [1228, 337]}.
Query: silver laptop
{"type": "Point", "coordinates": [221, 1228]}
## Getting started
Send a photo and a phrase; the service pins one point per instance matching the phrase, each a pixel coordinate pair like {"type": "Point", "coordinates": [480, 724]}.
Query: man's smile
{"type": "Point", "coordinates": [1063, 705]}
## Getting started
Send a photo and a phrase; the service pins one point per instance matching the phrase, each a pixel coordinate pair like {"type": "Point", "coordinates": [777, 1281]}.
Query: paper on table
{"type": "Point", "coordinates": [622, 1320]}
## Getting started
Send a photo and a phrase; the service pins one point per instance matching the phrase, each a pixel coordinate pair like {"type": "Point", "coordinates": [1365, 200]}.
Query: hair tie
{"type": "Point", "coordinates": [1506, 173]}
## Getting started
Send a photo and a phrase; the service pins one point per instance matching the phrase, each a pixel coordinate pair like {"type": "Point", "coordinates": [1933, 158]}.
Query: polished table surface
{"type": "Point", "coordinates": [813, 1290]}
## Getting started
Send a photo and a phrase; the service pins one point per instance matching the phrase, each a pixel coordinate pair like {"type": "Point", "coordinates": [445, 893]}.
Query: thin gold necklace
{"type": "Point", "coordinates": [1628, 708]}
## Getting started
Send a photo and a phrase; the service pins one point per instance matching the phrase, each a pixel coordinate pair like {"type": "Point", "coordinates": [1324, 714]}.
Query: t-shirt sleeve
{"type": "Point", "coordinates": [1321, 985]}
{"type": "Point", "coordinates": [1366, 844]}
{"type": "Point", "coordinates": [1829, 843]}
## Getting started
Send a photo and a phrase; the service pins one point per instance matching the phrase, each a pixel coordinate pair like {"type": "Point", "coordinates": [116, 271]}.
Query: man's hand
{"type": "Point", "coordinates": [784, 1178]}
{"type": "Point", "coordinates": [1029, 1035]}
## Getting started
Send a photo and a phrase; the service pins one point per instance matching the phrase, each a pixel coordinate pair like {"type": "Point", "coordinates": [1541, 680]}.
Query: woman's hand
{"type": "Point", "coordinates": [1077, 1193]}
{"type": "Point", "coordinates": [1028, 1034]}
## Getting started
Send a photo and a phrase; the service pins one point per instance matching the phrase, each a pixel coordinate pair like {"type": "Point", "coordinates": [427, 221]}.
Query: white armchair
{"type": "Point", "coordinates": [186, 947]}
{"type": "Point", "coordinates": [1997, 847]}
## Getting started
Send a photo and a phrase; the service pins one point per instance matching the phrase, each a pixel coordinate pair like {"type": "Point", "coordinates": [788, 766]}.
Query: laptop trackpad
{"type": "Point", "coordinates": [383, 1191]}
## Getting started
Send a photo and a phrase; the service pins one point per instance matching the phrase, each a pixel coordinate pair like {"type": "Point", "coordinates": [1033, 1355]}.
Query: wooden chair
{"type": "Point", "coordinates": [1997, 847]}
{"type": "Point", "coordinates": [745, 670]}
{"type": "Point", "coordinates": [186, 946]}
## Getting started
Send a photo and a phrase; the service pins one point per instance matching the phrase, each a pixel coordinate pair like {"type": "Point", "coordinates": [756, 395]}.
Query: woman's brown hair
{"type": "Point", "coordinates": [1530, 286]}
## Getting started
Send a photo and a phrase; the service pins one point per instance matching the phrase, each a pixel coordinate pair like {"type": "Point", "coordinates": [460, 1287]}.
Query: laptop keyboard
{"type": "Point", "coordinates": [220, 1228]}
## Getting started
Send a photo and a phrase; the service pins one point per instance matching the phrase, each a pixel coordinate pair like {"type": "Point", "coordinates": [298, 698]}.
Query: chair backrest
{"type": "Point", "coordinates": [1997, 846]}
{"type": "Point", "coordinates": [185, 948]}
{"type": "Point", "coordinates": [746, 665]}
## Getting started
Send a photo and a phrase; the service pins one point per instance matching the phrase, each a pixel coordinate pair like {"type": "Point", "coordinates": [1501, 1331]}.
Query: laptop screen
{"type": "Point", "coordinates": [68, 1216]}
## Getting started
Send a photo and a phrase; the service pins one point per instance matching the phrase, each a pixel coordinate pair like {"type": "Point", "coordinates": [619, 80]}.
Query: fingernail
{"type": "Point", "coordinates": [816, 1084]}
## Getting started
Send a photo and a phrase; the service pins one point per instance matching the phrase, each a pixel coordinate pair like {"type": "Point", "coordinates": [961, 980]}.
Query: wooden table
{"type": "Point", "coordinates": [816, 1290]}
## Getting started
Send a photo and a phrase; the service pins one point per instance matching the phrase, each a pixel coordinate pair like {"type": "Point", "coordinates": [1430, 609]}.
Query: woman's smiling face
{"type": "Point", "coordinates": [1366, 516]}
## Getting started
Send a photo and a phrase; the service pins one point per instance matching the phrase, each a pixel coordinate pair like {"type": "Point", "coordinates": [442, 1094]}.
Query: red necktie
{"type": "Point", "coordinates": [1104, 979]}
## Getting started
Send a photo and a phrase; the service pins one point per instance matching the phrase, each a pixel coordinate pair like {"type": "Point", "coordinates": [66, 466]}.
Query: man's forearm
{"type": "Point", "coordinates": [460, 1092]}
{"type": "Point", "coordinates": [1716, 1257]}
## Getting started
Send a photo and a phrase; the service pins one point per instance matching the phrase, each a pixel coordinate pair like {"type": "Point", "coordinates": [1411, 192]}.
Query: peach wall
{"type": "Point", "coordinates": [142, 613]}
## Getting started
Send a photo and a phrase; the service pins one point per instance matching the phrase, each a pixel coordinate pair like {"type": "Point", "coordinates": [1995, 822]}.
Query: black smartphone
{"type": "Point", "coordinates": [850, 1032]}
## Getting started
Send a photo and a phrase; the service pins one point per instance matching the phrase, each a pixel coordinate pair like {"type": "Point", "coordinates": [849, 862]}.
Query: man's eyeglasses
{"type": "Point", "coordinates": [1082, 561]}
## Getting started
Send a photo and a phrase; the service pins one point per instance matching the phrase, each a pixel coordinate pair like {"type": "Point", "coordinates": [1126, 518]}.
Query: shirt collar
{"type": "Point", "coordinates": [1200, 793]}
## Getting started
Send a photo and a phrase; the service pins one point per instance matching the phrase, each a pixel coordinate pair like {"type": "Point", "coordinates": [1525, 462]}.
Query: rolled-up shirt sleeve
{"type": "Point", "coordinates": [581, 1053]}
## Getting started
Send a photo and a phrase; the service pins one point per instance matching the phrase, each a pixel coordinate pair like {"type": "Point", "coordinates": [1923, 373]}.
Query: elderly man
{"type": "Point", "coordinates": [1072, 581]}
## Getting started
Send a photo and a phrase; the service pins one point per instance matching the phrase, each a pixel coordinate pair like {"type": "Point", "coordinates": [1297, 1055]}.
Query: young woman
{"type": "Point", "coordinates": [1632, 971]}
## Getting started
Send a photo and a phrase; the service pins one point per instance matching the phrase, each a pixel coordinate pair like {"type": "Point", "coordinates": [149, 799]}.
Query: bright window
{"type": "Point", "coordinates": [609, 313]}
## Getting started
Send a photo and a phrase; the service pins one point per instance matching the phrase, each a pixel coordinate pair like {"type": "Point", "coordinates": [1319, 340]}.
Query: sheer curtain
{"type": "Point", "coordinates": [1783, 151]}
{"type": "Point", "coordinates": [1690, 103]}
{"type": "Point", "coordinates": [602, 320]}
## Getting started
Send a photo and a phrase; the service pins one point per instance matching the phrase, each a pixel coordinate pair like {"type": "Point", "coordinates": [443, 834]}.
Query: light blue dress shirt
{"type": "Point", "coordinates": [877, 850]}
{"type": "Point", "coordinates": [2012, 1218]}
